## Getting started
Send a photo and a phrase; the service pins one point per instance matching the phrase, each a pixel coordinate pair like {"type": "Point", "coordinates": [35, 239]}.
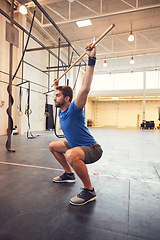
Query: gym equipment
{"type": "Point", "coordinates": [28, 111]}
{"type": "Point", "coordinates": [11, 78]}
{"type": "Point", "coordinates": [148, 125]}
{"type": "Point", "coordinates": [83, 54]}
{"type": "Point", "coordinates": [49, 117]}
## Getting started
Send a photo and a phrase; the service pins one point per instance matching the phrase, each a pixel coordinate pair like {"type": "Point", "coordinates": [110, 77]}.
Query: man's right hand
{"type": "Point", "coordinates": [55, 82]}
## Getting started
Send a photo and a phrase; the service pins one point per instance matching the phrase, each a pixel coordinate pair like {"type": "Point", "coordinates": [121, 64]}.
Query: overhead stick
{"type": "Point", "coordinates": [93, 44]}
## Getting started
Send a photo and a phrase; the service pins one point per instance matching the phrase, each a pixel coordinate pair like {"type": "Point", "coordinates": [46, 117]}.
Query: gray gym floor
{"type": "Point", "coordinates": [126, 180]}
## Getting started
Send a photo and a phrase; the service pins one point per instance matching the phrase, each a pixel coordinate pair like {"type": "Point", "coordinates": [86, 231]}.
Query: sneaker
{"type": "Point", "coordinates": [65, 178]}
{"type": "Point", "coordinates": [83, 197]}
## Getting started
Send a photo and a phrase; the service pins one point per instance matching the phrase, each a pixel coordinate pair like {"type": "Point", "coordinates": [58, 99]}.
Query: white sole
{"type": "Point", "coordinates": [64, 181]}
{"type": "Point", "coordinates": [81, 204]}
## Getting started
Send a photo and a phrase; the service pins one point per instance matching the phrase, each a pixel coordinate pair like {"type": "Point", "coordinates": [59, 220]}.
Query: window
{"type": "Point", "coordinates": [152, 79]}
{"type": "Point", "coordinates": [118, 81]}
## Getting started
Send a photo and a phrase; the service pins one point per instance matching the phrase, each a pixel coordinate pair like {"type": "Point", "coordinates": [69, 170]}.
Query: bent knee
{"type": "Point", "coordinates": [74, 154]}
{"type": "Point", "coordinates": [51, 145]}
{"type": "Point", "coordinates": [57, 147]}
{"type": "Point", "coordinates": [70, 156]}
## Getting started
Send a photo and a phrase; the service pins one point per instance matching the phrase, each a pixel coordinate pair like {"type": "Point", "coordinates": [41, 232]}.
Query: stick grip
{"type": "Point", "coordinates": [69, 68]}
{"type": "Point", "coordinates": [98, 39]}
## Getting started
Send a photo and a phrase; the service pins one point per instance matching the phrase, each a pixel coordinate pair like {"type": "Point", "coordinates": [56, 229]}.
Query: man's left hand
{"type": "Point", "coordinates": [90, 51]}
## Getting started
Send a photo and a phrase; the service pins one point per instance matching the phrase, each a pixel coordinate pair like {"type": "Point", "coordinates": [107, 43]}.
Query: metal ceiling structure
{"type": "Point", "coordinates": [142, 15]}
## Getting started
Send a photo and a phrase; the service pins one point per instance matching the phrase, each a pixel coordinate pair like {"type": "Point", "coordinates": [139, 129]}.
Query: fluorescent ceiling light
{"type": "Point", "coordinates": [23, 9]}
{"type": "Point", "coordinates": [84, 23]}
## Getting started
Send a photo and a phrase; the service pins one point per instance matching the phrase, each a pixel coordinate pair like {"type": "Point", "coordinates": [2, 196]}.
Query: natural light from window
{"type": "Point", "coordinates": [118, 81]}
{"type": "Point", "coordinates": [153, 79]}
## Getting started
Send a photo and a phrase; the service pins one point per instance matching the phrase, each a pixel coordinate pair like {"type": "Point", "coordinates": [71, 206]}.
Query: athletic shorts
{"type": "Point", "coordinates": [92, 152]}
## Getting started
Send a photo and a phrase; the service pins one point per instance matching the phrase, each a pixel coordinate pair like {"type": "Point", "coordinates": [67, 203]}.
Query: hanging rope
{"type": "Point", "coordinates": [77, 76]}
{"type": "Point", "coordinates": [71, 59]}
{"type": "Point", "coordinates": [9, 131]}
{"type": "Point", "coordinates": [25, 46]}
{"type": "Point", "coordinates": [19, 106]}
{"type": "Point", "coordinates": [28, 111]}
{"type": "Point", "coordinates": [55, 131]}
{"type": "Point", "coordinates": [62, 136]}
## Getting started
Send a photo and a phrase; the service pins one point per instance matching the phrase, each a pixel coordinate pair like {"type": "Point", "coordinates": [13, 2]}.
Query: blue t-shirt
{"type": "Point", "coordinates": [73, 125]}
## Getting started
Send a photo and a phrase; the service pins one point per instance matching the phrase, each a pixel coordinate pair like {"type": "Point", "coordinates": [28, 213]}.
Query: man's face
{"type": "Point", "coordinates": [59, 99]}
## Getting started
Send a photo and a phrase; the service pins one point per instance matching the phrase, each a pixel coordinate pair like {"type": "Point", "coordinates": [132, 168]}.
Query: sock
{"type": "Point", "coordinates": [70, 174]}
{"type": "Point", "coordinates": [90, 190]}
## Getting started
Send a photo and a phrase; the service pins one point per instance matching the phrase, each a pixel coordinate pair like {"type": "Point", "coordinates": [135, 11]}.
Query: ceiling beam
{"type": "Point", "coordinates": [60, 15]}
{"type": "Point", "coordinates": [132, 69]}
{"type": "Point", "coordinates": [118, 34]}
{"type": "Point", "coordinates": [36, 21]}
{"type": "Point", "coordinates": [104, 47]}
{"type": "Point", "coordinates": [84, 5]}
{"type": "Point", "coordinates": [123, 42]}
{"type": "Point", "coordinates": [47, 47]}
{"type": "Point", "coordinates": [128, 3]}
{"type": "Point", "coordinates": [108, 14]}
{"type": "Point", "coordinates": [148, 39]}
{"type": "Point", "coordinates": [42, 2]}
{"type": "Point", "coordinates": [137, 3]}
{"type": "Point", "coordinates": [56, 26]}
{"type": "Point", "coordinates": [145, 50]}
{"type": "Point", "coordinates": [129, 55]}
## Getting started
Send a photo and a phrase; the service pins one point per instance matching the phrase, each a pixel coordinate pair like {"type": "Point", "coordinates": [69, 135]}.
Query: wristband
{"type": "Point", "coordinates": [91, 61]}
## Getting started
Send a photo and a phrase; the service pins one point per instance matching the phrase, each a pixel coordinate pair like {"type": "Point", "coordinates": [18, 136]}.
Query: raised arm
{"type": "Point", "coordinates": [81, 98]}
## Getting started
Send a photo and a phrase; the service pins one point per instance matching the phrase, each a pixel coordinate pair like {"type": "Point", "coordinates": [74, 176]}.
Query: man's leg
{"type": "Point", "coordinates": [75, 157]}
{"type": "Point", "coordinates": [58, 149]}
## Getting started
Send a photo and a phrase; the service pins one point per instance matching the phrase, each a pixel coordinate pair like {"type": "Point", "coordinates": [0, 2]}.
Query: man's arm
{"type": "Point", "coordinates": [81, 98]}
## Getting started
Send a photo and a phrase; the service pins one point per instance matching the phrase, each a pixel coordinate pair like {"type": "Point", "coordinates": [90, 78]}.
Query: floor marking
{"type": "Point", "coordinates": [32, 166]}
{"type": "Point", "coordinates": [93, 174]}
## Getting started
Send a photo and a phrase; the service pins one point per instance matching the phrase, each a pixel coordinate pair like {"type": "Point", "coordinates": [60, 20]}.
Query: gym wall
{"type": "Point", "coordinates": [40, 60]}
{"type": "Point", "coordinates": [4, 66]}
{"type": "Point", "coordinates": [121, 114]}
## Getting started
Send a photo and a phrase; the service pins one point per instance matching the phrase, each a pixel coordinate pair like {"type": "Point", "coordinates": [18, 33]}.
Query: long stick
{"type": "Point", "coordinates": [98, 39]}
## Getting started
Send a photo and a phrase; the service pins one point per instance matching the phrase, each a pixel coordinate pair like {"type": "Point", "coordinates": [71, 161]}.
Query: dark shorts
{"type": "Point", "coordinates": [92, 152]}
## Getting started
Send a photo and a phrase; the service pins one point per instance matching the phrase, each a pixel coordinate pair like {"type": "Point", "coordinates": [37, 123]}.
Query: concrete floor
{"type": "Point", "coordinates": [126, 179]}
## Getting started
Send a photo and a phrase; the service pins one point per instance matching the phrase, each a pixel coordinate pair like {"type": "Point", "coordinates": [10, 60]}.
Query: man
{"type": "Point", "coordinates": [80, 148]}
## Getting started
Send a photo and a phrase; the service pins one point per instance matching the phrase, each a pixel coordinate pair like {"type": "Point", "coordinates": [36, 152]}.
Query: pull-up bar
{"type": "Point", "coordinates": [54, 24]}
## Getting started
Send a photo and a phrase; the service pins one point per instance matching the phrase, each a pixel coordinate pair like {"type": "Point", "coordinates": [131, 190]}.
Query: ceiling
{"type": "Point", "coordinates": [143, 15]}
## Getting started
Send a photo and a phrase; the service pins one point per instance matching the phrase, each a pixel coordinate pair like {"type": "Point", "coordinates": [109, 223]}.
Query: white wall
{"type": "Point", "coordinates": [121, 114]}
{"type": "Point", "coordinates": [40, 60]}
{"type": "Point", "coordinates": [4, 66]}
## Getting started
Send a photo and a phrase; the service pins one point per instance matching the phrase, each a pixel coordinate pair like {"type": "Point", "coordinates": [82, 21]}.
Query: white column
{"type": "Point", "coordinates": [144, 95]}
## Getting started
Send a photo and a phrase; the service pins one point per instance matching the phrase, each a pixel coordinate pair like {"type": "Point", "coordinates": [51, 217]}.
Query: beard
{"type": "Point", "coordinates": [59, 104]}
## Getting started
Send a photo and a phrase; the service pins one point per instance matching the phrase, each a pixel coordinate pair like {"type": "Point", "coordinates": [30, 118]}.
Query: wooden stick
{"type": "Point", "coordinates": [98, 39]}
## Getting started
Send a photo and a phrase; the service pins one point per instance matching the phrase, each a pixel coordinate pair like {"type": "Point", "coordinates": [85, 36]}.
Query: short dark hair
{"type": "Point", "coordinates": [66, 91]}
